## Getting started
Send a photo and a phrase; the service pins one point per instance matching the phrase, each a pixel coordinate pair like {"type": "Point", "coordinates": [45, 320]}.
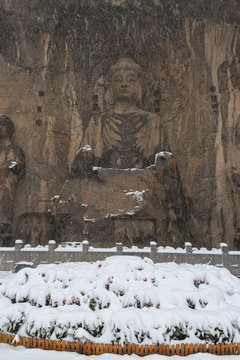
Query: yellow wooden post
{"type": "Point", "coordinates": [146, 350]}
{"type": "Point", "coordinates": [42, 344]}
{"type": "Point", "coordinates": [24, 342]}
{"type": "Point", "coordinates": [59, 346]}
{"type": "Point", "coordinates": [72, 345]}
{"type": "Point", "coordinates": [68, 346]}
{"type": "Point", "coordinates": [78, 347]}
{"type": "Point", "coordinates": [50, 344]}
{"type": "Point", "coordinates": [137, 349]}
{"type": "Point", "coordinates": [20, 340]}
{"type": "Point", "coordinates": [168, 350]}
{"type": "Point", "coordinates": [55, 345]}
{"type": "Point", "coordinates": [164, 350]}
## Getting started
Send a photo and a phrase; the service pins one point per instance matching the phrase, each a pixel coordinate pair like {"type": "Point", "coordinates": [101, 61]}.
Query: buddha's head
{"type": "Point", "coordinates": [125, 82]}
{"type": "Point", "coordinates": [6, 127]}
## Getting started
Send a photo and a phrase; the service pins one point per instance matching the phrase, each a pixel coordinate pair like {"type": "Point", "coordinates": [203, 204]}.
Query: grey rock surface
{"type": "Point", "coordinates": [54, 59]}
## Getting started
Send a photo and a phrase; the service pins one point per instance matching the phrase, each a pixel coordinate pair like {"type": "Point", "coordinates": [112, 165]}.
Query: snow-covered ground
{"type": "Point", "coordinates": [8, 352]}
{"type": "Point", "coordinates": [122, 299]}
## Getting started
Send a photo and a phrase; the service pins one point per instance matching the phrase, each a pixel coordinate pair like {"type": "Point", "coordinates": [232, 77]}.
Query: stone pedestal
{"type": "Point", "coordinates": [132, 206]}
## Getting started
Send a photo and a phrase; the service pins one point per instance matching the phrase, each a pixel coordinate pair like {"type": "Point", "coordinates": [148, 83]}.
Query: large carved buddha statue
{"type": "Point", "coordinates": [104, 200]}
{"type": "Point", "coordinates": [126, 136]}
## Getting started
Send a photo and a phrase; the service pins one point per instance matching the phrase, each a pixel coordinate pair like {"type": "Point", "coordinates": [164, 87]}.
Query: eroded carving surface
{"type": "Point", "coordinates": [11, 170]}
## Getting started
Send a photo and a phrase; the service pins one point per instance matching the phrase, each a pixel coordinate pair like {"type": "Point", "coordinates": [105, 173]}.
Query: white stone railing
{"type": "Point", "coordinates": [72, 252]}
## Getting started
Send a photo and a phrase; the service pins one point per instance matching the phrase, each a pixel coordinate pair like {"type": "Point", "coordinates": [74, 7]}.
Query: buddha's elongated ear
{"type": "Point", "coordinates": [6, 121]}
{"type": "Point", "coordinates": [109, 98]}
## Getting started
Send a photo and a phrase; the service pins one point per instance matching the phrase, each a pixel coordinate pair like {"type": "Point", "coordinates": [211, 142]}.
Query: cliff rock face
{"type": "Point", "coordinates": [55, 58]}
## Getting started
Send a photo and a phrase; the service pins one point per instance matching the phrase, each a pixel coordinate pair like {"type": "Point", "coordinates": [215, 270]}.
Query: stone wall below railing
{"type": "Point", "coordinates": [73, 252]}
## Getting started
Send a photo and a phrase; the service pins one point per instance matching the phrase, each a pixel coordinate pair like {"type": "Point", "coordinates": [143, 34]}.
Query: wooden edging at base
{"type": "Point", "coordinates": [141, 350]}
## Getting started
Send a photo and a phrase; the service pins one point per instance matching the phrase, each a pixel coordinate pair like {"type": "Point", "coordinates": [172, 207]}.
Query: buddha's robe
{"type": "Point", "coordinates": [124, 140]}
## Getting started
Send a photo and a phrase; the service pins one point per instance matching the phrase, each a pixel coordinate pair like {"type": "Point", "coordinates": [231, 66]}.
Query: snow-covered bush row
{"type": "Point", "coordinates": [123, 299]}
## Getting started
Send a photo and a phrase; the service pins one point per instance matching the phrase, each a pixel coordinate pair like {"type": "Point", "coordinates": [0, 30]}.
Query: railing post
{"type": "Point", "coordinates": [17, 253]}
{"type": "Point", "coordinates": [85, 247]}
{"type": "Point", "coordinates": [119, 248]}
{"type": "Point", "coordinates": [188, 248]}
{"type": "Point", "coordinates": [225, 255]}
{"type": "Point", "coordinates": [153, 249]}
{"type": "Point", "coordinates": [52, 245]}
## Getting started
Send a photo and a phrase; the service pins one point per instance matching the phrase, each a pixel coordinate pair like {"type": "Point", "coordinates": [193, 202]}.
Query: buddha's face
{"type": "Point", "coordinates": [125, 85]}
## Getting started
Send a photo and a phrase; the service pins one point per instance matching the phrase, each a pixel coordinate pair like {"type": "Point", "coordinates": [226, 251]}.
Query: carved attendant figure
{"type": "Point", "coordinates": [11, 170]}
{"type": "Point", "coordinates": [126, 136]}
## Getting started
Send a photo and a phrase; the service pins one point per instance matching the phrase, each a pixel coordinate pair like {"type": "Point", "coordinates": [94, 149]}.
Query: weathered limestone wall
{"type": "Point", "coordinates": [52, 57]}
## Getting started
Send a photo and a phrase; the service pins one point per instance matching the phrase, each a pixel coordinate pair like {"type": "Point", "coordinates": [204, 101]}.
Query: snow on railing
{"type": "Point", "coordinates": [82, 251]}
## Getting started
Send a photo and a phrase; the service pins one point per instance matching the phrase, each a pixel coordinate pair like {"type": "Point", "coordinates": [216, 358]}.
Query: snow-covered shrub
{"type": "Point", "coordinates": [123, 300]}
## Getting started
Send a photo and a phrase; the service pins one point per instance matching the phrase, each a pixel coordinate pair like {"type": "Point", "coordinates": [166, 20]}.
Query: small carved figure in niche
{"type": "Point", "coordinates": [125, 136]}
{"type": "Point", "coordinates": [11, 170]}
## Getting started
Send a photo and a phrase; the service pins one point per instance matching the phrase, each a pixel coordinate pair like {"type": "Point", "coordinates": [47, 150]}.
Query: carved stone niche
{"type": "Point", "coordinates": [119, 189]}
